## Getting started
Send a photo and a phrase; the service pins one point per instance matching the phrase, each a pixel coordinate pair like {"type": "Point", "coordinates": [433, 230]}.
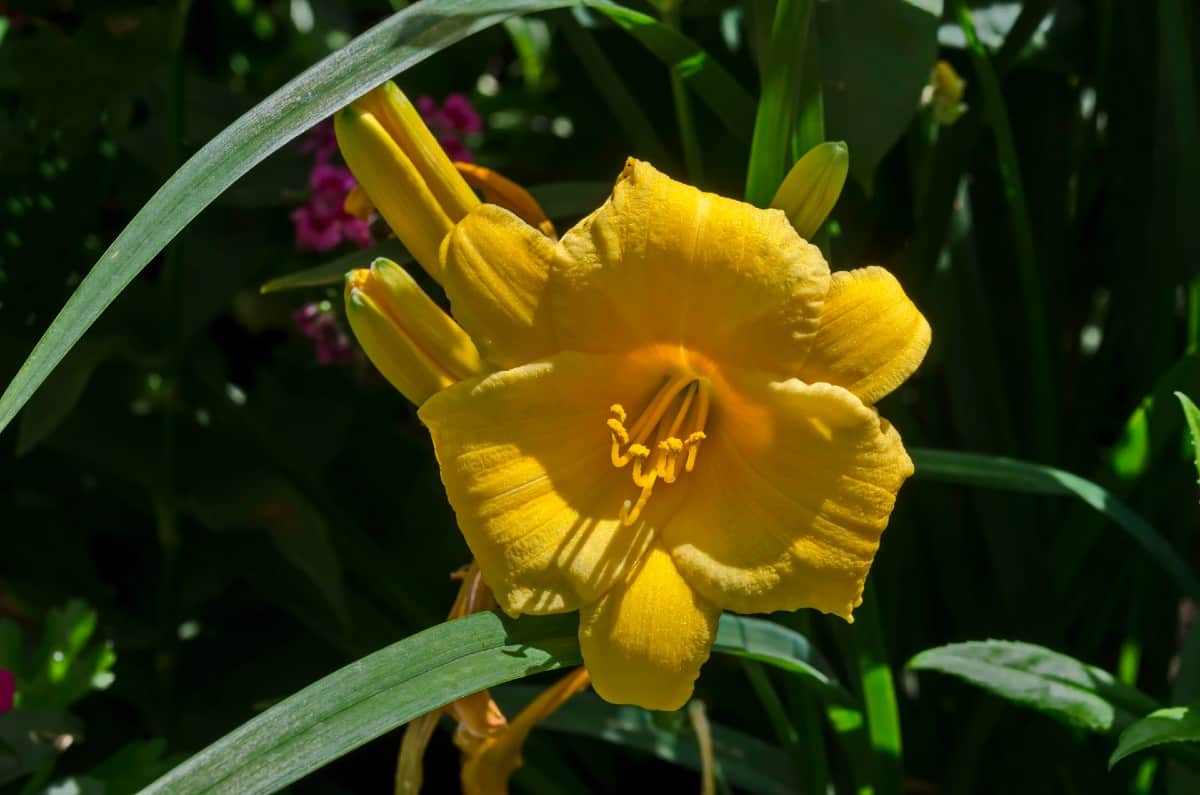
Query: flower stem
{"type": "Point", "coordinates": [692, 157]}
{"type": "Point", "coordinates": [1028, 277]}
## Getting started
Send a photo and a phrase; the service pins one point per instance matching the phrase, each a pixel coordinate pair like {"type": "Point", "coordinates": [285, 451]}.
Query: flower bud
{"type": "Point", "coordinates": [403, 171]}
{"type": "Point", "coordinates": [417, 346]}
{"type": "Point", "coordinates": [812, 187]}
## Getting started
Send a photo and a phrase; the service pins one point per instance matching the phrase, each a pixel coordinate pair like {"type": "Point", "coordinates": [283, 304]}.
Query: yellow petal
{"type": "Point", "coordinates": [394, 185]}
{"type": "Point", "coordinates": [788, 499]}
{"type": "Point", "coordinates": [813, 186]}
{"type": "Point", "coordinates": [644, 641]}
{"type": "Point", "coordinates": [417, 346]}
{"type": "Point", "coordinates": [407, 128]}
{"type": "Point", "coordinates": [495, 268]}
{"type": "Point", "coordinates": [499, 189]}
{"type": "Point", "coordinates": [525, 458]}
{"type": "Point", "coordinates": [661, 261]}
{"type": "Point", "coordinates": [871, 336]}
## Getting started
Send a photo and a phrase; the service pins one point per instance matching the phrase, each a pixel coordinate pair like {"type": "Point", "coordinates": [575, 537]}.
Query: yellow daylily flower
{"type": "Point", "coordinates": [675, 418]}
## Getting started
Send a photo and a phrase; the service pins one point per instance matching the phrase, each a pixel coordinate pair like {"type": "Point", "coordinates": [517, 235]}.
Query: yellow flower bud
{"type": "Point", "coordinates": [944, 94]}
{"type": "Point", "coordinates": [812, 187]}
{"type": "Point", "coordinates": [416, 345]}
{"type": "Point", "coordinates": [403, 171]}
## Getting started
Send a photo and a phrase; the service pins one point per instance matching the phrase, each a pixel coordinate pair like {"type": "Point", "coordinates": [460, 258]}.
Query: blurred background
{"type": "Point", "coordinates": [215, 500]}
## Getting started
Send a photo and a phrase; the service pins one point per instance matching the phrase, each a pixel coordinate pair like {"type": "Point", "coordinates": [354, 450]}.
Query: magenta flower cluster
{"type": "Point", "coordinates": [331, 343]}
{"type": "Point", "coordinates": [452, 122]}
{"type": "Point", "coordinates": [8, 688]}
{"type": "Point", "coordinates": [322, 222]}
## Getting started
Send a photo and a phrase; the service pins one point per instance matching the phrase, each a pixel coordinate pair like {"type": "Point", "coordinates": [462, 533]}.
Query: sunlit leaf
{"type": "Point", "coordinates": [1170, 725]}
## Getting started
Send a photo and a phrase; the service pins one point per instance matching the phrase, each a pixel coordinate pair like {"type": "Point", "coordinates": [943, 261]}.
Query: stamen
{"type": "Point", "coordinates": [656, 444]}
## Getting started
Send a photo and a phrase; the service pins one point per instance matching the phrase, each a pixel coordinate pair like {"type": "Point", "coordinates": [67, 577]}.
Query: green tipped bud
{"type": "Point", "coordinates": [813, 186]}
{"type": "Point", "coordinates": [417, 346]}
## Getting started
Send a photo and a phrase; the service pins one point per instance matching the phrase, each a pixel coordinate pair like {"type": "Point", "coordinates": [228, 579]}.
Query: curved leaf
{"type": "Point", "coordinates": [1059, 686]}
{"type": "Point", "coordinates": [778, 646]}
{"type": "Point", "coordinates": [1170, 725]}
{"type": "Point", "coordinates": [1013, 475]}
{"type": "Point", "coordinates": [372, 696]}
{"type": "Point", "coordinates": [425, 671]}
{"type": "Point", "coordinates": [712, 84]}
{"type": "Point", "coordinates": [392, 46]}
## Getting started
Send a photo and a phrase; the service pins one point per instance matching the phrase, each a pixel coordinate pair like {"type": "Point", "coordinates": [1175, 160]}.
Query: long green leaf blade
{"type": "Point", "coordinates": [372, 696]}
{"type": "Point", "coordinates": [1010, 474]}
{"type": "Point", "coordinates": [390, 687]}
{"type": "Point", "coordinates": [712, 84]}
{"type": "Point", "coordinates": [392, 46]}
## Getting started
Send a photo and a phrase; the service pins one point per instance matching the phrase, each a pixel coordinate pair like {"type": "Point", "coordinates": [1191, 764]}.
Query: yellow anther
{"type": "Point", "coordinates": [655, 443]}
{"type": "Point", "coordinates": [618, 430]}
{"type": "Point", "coordinates": [693, 444]}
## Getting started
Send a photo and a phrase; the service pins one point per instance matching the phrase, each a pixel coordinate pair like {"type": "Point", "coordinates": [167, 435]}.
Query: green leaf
{"type": "Point", "coordinates": [372, 696]}
{"type": "Point", "coordinates": [778, 101]}
{"type": "Point", "coordinates": [1192, 414]}
{"type": "Point", "coordinates": [876, 57]}
{"type": "Point", "coordinates": [334, 272]}
{"type": "Point", "coordinates": [747, 762]}
{"type": "Point", "coordinates": [1010, 474]}
{"type": "Point", "coordinates": [1170, 725]}
{"type": "Point", "coordinates": [711, 83]}
{"type": "Point", "coordinates": [390, 47]}
{"type": "Point", "coordinates": [416, 675]}
{"type": "Point", "coordinates": [1062, 687]}
{"type": "Point", "coordinates": [780, 647]}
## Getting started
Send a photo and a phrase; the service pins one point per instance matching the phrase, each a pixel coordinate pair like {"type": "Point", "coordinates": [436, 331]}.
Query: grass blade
{"type": "Point", "coordinates": [696, 68]}
{"type": "Point", "coordinates": [1028, 276]}
{"type": "Point", "coordinates": [779, 100]}
{"type": "Point", "coordinates": [1022, 476]}
{"type": "Point", "coordinates": [392, 46]}
{"type": "Point", "coordinates": [628, 114]}
{"type": "Point", "coordinates": [390, 687]}
{"type": "Point", "coordinates": [371, 696]}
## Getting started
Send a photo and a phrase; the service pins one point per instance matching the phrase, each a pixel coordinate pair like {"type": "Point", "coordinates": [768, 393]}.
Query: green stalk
{"type": "Point", "coordinates": [692, 158]}
{"type": "Point", "coordinates": [879, 696]}
{"type": "Point", "coordinates": [778, 102]}
{"type": "Point", "coordinates": [165, 510]}
{"type": "Point", "coordinates": [628, 113]}
{"type": "Point", "coordinates": [777, 715]}
{"type": "Point", "coordinates": [1029, 279]}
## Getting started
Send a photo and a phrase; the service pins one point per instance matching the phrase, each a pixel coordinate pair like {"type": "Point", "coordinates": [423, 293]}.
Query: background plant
{"type": "Point", "coordinates": [243, 521]}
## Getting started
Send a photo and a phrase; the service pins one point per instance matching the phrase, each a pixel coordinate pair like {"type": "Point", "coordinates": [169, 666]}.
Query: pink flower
{"type": "Point", "coordinates": [331, 343]}
{"type": "Point", "coordinates": [8, 688]}
{"type": "Point", "coordinates": [322, 223]}
{"type": "Point", "coordinates": [321, 142]}
{"type": "Point", "coordinates": [451, 122]}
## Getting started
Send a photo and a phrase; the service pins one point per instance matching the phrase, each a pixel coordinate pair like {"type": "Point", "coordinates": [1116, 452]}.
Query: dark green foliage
{"type": "Point", "coordinates": [192, 508]}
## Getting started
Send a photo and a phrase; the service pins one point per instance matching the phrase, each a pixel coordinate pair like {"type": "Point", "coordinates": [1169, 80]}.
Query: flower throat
{"type": "Point", "coordinates": [664, 440]}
